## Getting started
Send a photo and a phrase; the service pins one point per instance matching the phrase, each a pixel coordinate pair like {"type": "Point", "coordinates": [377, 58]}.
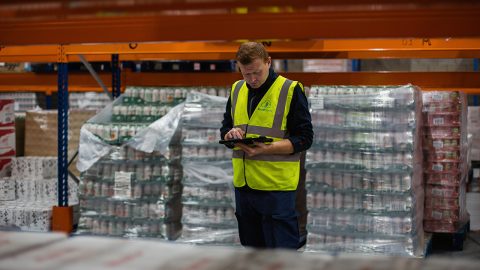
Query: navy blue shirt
{"type": "Point", "coordinates": [299, 120]}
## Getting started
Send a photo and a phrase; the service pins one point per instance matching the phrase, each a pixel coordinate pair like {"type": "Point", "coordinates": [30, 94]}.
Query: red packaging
{"type": "Point", "coordinates": [446, 179]}
{"type": "Point", "coordinates": [7, 113]}
{"type": "Point", "coordinates": [441, 203]}
{"type": "Point", "coordinates": [442, 132]}
{"type": "Point", "coordinates": [434, 107]}
{"type": "Point", "coordinates": [441, 97]}
{"type": "Point", "coordinates": [444, 215]}
{"type": "Point", "coordinates": [442, 119]}
{"type": "Point", "coordinates": [441, 191]}
{"type": "Point", "coordinates": [5, 167]}
{"type": "Point", "coordinates": [437, 226]}
{"type": "Point", "coordinates": [441, 144]}
{"type": "Point", "coordinates": [442, 155]}
{"type": "Point", "coordinates": [440, 166]}
{"type": "Point", "coordinates": [7, 142]}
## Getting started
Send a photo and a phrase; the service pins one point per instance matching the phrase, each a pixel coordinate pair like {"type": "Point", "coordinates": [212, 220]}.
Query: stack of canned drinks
{"type": "Point", "coordinates": [445, 163]}
{"type": "Point", "coordinates": [364, 175]}
{"type": "Point", "coordinates": [131, 193]}
{"type": "Point", "coordinates": [208, 208]}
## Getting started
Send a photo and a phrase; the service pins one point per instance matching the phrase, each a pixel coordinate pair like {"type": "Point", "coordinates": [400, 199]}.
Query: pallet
{"type": "Point", "coordinates": [451, 241]}
{"type": "Point", "coordinates": [427, 247]}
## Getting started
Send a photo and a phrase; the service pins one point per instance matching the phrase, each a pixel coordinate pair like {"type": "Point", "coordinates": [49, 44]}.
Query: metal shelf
{"type": "Point", "coordinates": [352, 22]}
{"type": "Point", "coordinates": [468, 82]}
{"type": "Point", "coordinates": [212, 30]}
{"type": "Point", "coordinates": [215, 50]}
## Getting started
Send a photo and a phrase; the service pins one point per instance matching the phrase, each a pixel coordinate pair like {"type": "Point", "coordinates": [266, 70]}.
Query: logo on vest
{"type": "Point", "coordinates": [265, 106]}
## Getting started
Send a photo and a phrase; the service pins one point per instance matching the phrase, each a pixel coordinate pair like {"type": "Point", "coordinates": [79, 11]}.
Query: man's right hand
{"type": "Point", "coordinates": [234, 133]}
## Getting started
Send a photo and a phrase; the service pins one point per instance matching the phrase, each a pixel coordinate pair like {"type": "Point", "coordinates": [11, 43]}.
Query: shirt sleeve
{"type": "Point", "coordinates": [227, 122]}
{"type": "Point", "coordinates": [299, 121]}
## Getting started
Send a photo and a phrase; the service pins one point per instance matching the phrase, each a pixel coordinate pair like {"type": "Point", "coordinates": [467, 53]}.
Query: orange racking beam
{"type": "Point", "coordinates": [331, 48]}
{"type": "Point", "coordinates": [416, 23]}
{"type": "Point", "coordinates": [12, 9]}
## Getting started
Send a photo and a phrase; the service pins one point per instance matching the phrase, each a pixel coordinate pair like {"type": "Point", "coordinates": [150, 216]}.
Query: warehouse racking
{"type": "Point", "coordinates": [64, 33]}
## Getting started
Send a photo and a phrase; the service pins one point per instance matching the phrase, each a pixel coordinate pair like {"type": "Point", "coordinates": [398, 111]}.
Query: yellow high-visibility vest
{"type": "Point", "coordinates": [264, 172]}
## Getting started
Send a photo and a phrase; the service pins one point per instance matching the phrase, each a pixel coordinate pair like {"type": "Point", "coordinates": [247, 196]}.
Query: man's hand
{"type": "Point", "coordinates": [234, 133]}
{"type": "Point", "coordinates": [257, 148]}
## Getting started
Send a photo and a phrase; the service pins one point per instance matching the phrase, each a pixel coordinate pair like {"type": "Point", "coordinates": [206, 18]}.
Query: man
{"type": "Point", "coordinates": [266, 175]}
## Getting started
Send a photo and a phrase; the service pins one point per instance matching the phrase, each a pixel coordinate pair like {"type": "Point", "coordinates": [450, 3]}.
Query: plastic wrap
{"type": "Point", "coordinates": [445, 162]}
{"type": "Point", "coordinates": [208, 206]}
{"type": "Point", "coordinates": [474, 131]}
{"type": "Point", "coordinates": [364, 175]}
{"type": "Point", "coordinates": [131, 175]}
{"type": "Point", "coordinates": [88, 100]}
{"type": "Point", "coordinates": [101, 133]}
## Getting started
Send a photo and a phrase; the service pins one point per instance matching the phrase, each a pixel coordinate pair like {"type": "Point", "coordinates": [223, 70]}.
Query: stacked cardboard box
{"type": "Point", "coordinates": [364, 175]}
{"type": "Point", "coordinates": [41, 131]}
{"type": "Point", "coordinates": [445, 160]}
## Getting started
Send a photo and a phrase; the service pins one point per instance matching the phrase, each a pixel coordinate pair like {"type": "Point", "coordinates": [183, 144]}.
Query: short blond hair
{"type": "Point", "coordinates": [249, 51]}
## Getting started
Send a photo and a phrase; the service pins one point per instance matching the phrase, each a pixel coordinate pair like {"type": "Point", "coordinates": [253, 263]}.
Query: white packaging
{"type": "Point", "coordinates": [7, 190]}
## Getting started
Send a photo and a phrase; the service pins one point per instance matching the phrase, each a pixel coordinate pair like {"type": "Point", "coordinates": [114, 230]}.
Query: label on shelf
{"type": "Point", "coordinates": [123, 185]}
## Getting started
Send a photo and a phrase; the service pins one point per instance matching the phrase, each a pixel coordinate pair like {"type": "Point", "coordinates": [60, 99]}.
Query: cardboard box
{"type": "Point", "coordinates": [41, 131]}
{"type": "Point", "coordinates": [19, 134]}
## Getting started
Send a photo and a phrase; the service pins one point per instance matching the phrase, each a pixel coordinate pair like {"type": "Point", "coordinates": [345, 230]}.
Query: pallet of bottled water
{"type": "Point", "coordinates": [364, 175]}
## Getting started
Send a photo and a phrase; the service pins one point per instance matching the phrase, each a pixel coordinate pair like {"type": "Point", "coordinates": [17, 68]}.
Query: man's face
{"type": "Point", "coordinates": [255, 73]}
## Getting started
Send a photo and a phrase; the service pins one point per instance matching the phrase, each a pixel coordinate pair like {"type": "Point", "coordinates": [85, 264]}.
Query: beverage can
{"type": "Point", "coordinates": [148, 95]}
{"type": "Point", "coordinates": [141, 95]}
{"type": "Point", "coordinates": [155, 96]}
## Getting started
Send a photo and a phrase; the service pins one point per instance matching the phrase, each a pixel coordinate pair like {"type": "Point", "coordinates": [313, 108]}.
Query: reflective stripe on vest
{"type": "Point", "coordinates": [264, 172]}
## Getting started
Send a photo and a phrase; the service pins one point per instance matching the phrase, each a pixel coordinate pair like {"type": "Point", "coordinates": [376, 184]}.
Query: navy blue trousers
{"type": "Point", "coordinates": [267, 219]}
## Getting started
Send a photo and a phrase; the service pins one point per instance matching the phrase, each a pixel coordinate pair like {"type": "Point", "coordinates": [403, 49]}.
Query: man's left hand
{"type": "Point", "coordinates": [255, 149]}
